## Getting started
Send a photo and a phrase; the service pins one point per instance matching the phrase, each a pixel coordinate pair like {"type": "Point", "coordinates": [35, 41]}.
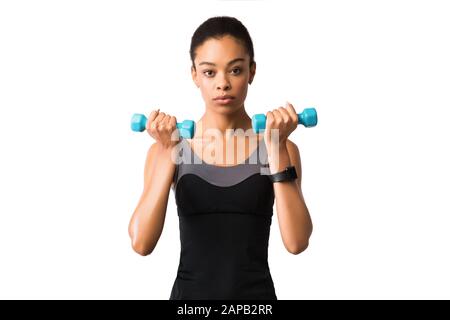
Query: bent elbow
{"type": "Point", "coordinates": [139, 246]}
{"type": "Point", "coordinates": [298, 248]}
{"type": "Point", "coordinates": [141, 250]}
{"type": "Point", "coordinates": [142, 253]}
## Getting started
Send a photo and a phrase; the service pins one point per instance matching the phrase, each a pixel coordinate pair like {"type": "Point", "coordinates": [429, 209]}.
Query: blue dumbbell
{"type": "Point", "coordinates": [308, 118]}
{"type": "Point", "coordinates": [186, 128]}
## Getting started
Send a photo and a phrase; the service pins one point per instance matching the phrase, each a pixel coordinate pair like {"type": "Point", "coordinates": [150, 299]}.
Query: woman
{"type": "Point", "coordinates": [223, 184]}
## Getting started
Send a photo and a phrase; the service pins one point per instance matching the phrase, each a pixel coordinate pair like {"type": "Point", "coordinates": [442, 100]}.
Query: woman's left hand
{"type": "Point", "coordinates": [285, 119]}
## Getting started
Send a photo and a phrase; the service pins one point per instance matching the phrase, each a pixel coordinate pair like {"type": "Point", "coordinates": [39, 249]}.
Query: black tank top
{"type": "Point", "coordinates": [225, 215]}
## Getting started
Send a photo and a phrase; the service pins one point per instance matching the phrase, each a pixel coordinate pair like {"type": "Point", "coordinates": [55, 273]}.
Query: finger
{"type": "Point", "coordinates": [151, 117]}
{"type": "Point", "coordinates": [161, 128]}
{"type": "Point", "coordinates": [173, 124]}
{"type": "Point", "coordinates": [284, 114]}
{"type": "Point", "coordinates": [154, 127]}
{"type": "Point", "coordinates": [269, 118]}
{"type": "Point", "coordinates": [277, 116]}
{"type": "Point", "coordinates": [158, 119]}
{"type": "Point", "coordinates": [292, 112]}
{"type": "Point", "coordinates": [173, 121]}
{"type": "Point", "coordinates": [163, 125]}
{"type": "Point", "coordinates": [167, 121]}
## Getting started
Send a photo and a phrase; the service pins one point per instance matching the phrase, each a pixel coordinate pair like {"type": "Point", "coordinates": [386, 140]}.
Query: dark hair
{"type": "Point", "coordinates": [217, 27]}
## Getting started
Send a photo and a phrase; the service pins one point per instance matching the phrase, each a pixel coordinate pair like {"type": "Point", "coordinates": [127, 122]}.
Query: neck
{"type": "Point", "coordinates": [226, 124]}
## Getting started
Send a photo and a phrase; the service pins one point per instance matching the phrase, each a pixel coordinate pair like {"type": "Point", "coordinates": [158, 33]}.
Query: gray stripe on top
{"type": "Point", "coordinates": [223, 176]}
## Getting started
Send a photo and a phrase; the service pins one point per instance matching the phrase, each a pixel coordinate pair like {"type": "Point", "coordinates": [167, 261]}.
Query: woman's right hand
{"type": "Point", "coordinates": [163, 128]}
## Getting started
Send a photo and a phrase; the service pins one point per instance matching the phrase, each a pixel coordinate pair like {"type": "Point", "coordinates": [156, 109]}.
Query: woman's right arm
{"type": "Point", "coordinates": [147, 221]}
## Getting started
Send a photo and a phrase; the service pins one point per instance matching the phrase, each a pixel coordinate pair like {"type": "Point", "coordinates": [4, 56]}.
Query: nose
{"type": "Point", "coordinates": [223, 83]}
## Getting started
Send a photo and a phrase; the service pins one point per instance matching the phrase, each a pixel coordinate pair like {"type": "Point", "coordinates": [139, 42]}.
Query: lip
{"type": "Point", "coordinates": [223, 101]}
{"type": "Point", "coordinates": [225, 97]}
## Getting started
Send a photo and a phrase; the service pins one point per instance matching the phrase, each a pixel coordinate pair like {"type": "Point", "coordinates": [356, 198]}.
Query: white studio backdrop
{"type": "Point", "coordinates": [375, 169]}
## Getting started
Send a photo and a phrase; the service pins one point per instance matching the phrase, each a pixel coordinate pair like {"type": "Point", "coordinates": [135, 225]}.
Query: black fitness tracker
{"type": "Point", "coordinates": [287, 174]}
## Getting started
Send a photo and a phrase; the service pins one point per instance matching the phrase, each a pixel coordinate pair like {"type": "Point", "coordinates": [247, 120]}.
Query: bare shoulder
{"type": "Point", "coordinates": [294, 157]}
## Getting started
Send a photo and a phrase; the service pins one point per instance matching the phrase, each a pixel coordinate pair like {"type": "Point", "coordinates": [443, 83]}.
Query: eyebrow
{"type": "Point", "coordinates": [213, 64]}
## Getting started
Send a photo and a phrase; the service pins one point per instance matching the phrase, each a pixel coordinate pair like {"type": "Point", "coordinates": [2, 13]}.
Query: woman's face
{"type": "Point", "coordinates": [222, 68]}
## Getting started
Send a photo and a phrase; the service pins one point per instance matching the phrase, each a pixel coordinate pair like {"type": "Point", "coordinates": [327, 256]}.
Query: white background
{"type": "Point", "coordinates": [375, 169]}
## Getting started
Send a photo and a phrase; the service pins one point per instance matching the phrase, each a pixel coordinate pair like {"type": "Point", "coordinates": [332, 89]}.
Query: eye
{"type": "Point", "coordinates": [238, 70]}
{"type": "Point", "coordinates": [206, 71]}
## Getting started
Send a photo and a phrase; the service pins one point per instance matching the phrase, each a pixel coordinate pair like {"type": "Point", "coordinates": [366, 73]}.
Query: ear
{"type": "Point", "coordinates": [252, 72]}
{"type": "Point", "coordinates": [194, 76]}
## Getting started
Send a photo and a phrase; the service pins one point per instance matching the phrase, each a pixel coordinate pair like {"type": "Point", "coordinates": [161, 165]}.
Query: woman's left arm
{"type": "Point", "coordinates": [293, 215]}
